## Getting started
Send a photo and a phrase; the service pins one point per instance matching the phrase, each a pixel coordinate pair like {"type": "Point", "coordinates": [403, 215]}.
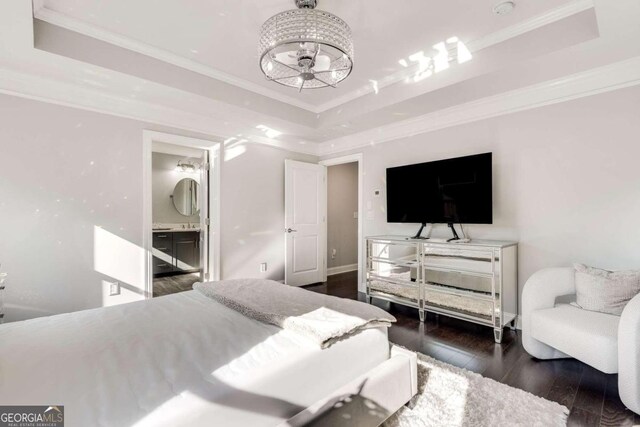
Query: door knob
{"type": "Point", "coordinates": [290, 230]}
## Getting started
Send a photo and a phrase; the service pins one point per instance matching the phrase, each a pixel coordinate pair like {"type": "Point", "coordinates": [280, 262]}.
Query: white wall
{"type": "Point", "coordinates": [566, 180]}
{"type": "Point", "coordinates": [252, 210]}
{"type": "Point", "coordinates": [342, 203]}
{"type": "Point", "coordinates": [71, 207]}
{"type": "Point", "coordinates": [164, 177]}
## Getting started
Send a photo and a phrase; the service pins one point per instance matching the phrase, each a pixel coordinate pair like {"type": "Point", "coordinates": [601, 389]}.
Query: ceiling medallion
{"type": "Point", "coordinates": [306, 48]}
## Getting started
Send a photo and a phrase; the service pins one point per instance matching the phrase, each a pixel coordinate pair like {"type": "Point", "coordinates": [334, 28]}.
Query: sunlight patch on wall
{"type": "Point", "coordinates": [234, 147]}
{"type": "Point", "coordinates": [269, 132]}
{"type": "Point", "coordinates": [439, 58]}
{"type": "Point", "coordinates": [121, 261]}
{"type": "Point", "coordinates": [374, 85]}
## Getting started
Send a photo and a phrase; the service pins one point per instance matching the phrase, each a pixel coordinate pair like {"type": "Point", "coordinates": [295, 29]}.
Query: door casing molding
{"type": "Point", "coordinates": [354, 158]}
{"type": "Point", "coordinates": [213, 148]}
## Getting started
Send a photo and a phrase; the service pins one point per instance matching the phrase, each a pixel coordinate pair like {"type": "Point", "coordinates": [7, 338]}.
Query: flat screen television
{"type": "Point", "coordinates": [445, 191]}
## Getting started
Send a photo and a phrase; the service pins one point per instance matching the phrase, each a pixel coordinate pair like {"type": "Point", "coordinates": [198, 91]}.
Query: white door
{"type": "Point", "coordinates": [305, 197]}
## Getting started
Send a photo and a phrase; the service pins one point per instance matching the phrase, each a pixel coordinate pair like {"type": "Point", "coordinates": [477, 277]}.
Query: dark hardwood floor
{"type": "Point", "coordinates": [172, 284]}
{"type": "Point", "coordinates": [591, 395]}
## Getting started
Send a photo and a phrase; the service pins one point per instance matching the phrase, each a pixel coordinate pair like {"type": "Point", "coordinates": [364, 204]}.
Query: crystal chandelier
{"type": "Point", "coordinates": [306, 48]}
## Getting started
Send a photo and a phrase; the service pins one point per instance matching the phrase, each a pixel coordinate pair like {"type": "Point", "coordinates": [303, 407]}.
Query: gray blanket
{"type": "Point", "coordinates": [324, 319]}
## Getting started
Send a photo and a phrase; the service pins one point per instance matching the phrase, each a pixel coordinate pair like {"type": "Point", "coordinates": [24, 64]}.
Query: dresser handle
{"type": "Point", "coordinates": [162, 236]}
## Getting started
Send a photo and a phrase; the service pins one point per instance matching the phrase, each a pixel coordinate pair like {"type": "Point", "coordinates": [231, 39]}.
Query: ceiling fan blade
{"type": "Point", "coordinates": [286, 58]}
{"type": "Point", "coordinates": [275, 79]}
{"type": "Point", "coordinates": [331, 71]}
{"type": "Point", "coordinates": [327, 83]}
{"type": "Point", "coordinates": [285, 65]}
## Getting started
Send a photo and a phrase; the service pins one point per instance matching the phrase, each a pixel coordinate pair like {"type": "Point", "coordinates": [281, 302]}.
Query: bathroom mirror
{"type": "Point", "coordinates": [185, 197]}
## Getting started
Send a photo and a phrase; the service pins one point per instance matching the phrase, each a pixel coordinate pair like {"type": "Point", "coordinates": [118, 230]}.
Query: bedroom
{"type": "Point", "coordinates": [550, 88]}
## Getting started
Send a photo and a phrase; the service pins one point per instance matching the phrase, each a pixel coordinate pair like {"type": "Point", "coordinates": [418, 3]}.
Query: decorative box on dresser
{"type": "Point", "coordinates": [475, 281]}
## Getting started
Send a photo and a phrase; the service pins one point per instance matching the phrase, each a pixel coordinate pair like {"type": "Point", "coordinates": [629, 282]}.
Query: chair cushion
{"type": "Point", "coordinates": [589, 336]}
{"type": "Point", "coordinates": [605, 291]}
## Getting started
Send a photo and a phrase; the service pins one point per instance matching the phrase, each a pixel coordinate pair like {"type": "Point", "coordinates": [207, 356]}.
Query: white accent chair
{"type": "Point", "coordinates": [554, 329]}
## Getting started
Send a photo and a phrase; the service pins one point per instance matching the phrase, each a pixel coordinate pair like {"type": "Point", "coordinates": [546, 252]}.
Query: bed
{"type": "Point", "coordinates": [186, 359]}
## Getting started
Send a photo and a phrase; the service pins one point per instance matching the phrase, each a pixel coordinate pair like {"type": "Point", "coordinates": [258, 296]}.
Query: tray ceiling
{"type": "Point", "coordinates": [222, 35]}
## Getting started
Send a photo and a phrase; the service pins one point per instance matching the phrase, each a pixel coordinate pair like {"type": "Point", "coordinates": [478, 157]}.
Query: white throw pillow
{"type": "Point", "coordinates": [605, 291]}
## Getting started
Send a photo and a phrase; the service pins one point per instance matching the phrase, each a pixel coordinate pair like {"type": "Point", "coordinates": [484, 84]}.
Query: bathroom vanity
{"type": "Point", "coordinates": [176, 251]}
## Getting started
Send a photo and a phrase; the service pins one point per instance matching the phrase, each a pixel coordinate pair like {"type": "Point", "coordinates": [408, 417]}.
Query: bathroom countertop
{"type": "Point", "coordinates": [176, 230]}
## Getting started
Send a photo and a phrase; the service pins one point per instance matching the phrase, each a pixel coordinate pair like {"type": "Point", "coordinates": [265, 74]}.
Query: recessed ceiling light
{"type": "Point", "coordinates": [504, 8]}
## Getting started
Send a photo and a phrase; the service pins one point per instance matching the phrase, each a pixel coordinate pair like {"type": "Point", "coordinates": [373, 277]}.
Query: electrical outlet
{"type": "Point", "coordinates": [114, 289]}
{"type": "Point", "coordinates": [333, 253]}
{"type": "Point", "coordinates": [355, 215]}
{"type": "Point", "coordinates": [263, 267]}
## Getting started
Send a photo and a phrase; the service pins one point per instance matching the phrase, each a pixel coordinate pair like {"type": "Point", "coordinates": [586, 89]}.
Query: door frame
{"type": "Point", "coordinates": [353, 158]}
{"type": "Point", "coordinates": [214, 151]}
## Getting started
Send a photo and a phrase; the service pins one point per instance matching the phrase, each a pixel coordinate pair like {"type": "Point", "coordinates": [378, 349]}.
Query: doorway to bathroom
{"type": "Point", "coordinates": [181, 234]}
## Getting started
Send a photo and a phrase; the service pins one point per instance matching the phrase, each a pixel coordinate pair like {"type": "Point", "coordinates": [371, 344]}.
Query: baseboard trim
{"type": "Point", "coordinates": [341, 269]}
{"type": "Point", "coordinates": [519, 322]}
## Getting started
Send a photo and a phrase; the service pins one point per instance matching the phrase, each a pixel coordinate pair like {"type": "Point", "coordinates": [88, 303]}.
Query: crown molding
{"type": "Point", "coordinates": [70, 95]}
{"type": "Point", "coordinates": [598, 80]}
{"type": "Point", "coordinates": [37, 5]}
{"type": "Point", "coordinates": [65, 21]}
{"type": "Point", "coordinates": [553, 15]}
{"type": "Point", "coordinates": [61, 20]}
{"type": "Point", "coordinates": [549, 17]}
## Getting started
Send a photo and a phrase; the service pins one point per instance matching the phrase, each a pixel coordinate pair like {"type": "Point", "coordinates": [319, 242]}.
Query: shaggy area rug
{"type": "Point", "coordinates": [451, 396]}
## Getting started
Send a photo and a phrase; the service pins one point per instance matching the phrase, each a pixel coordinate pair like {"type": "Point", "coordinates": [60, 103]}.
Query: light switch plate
{"type": "Point", "coordinates": [114, 289]}
{"type": "Point", "coordinates": [263, 267]}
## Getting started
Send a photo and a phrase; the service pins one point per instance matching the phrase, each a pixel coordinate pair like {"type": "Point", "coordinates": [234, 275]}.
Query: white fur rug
{"type": "Point", "coordinates": [451, 396]}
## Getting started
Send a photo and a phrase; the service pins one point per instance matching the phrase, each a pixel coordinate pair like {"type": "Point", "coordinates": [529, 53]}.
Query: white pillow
{"type": "Point", "coordinates": [605, 291]}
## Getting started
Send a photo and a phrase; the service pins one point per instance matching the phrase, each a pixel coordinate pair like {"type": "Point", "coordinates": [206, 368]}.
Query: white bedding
{"type": "Point", "coordinates": [182, 359]}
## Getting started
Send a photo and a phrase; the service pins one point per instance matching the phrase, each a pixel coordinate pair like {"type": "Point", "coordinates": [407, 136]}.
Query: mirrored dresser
{"type": "Point", "coordinates": [475, 281]}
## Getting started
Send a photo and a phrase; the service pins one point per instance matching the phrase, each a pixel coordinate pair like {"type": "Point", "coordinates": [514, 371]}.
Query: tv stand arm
{"type": "Point", "coordinates": [419, 233]}
{"type": "Point", "coordinates": [455, 235]}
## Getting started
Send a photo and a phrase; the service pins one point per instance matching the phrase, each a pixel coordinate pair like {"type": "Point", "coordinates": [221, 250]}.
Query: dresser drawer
{"type": "Point", "coordinates": [459, 280]}
{"type": "Point", "coordinates": [392, 251]}
{"type": "Point", "coordinates": [162, 266]}
{"type": "Point", "coordinates": [410, 292]}
{"type": "Point", "coordinates": [477, 261]}
{"type": "Point", "coordinates": [393, 271]}
{"type": "Point", "coordinates": [163, 242]}
{"type": "Point", "coordinates": [482, 309]}
{"type": "Point", "coordinates": [162, 238]}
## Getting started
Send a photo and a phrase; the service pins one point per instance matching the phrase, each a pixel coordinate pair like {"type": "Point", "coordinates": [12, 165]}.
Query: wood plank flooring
{"type": "Point", "coordinates": [591, 395]}
{"type": "Point", "coordinates": [172, 284]}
